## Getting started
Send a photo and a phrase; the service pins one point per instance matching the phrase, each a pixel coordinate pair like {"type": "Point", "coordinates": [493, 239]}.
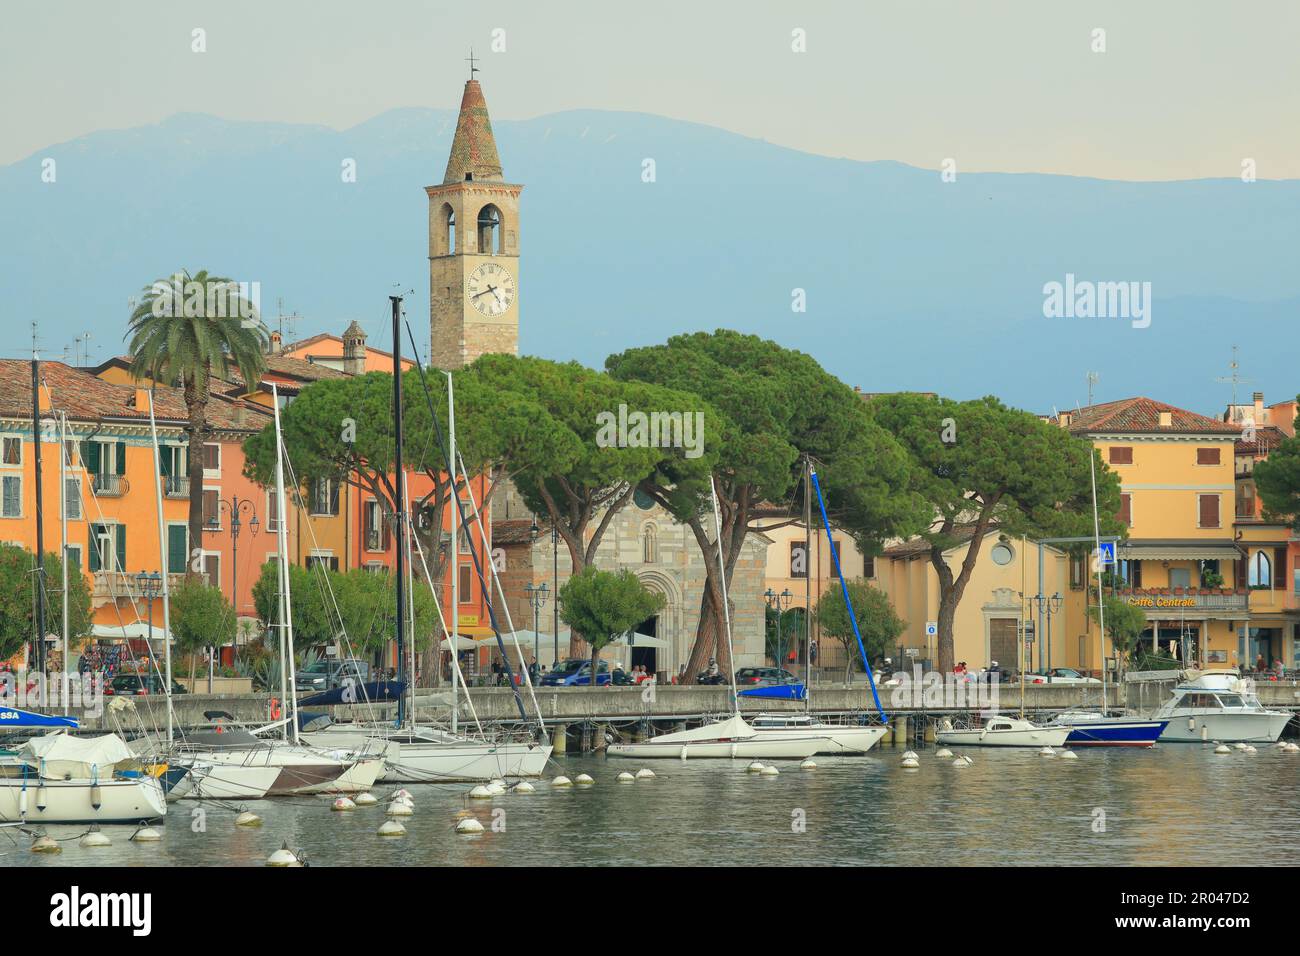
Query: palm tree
{"type": "Point", "coordinates": [185, 330]}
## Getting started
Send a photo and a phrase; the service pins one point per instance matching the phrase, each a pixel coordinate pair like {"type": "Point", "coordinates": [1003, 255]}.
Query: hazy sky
{"type": "Point", "coordinates": [1185, 88]}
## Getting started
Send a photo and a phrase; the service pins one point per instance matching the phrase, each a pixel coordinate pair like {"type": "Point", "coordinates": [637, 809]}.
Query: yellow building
{"type": "Point", "coordinates": [1182, 562]}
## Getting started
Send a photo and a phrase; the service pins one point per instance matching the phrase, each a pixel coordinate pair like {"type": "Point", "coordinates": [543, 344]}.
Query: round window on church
{"type": "Point", "coordinates": [1002, 553]}
{"type": "Point", "coordinates": [643, 501]}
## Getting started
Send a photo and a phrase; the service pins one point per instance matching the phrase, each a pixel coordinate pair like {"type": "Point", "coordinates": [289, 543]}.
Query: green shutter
{"type": "Point", "coordinates": [94, 546]}
{"type": "Point", "coordinates": [165, 461]}
{"type": "Point", "coordinates": [121, 548]}
{"type": "Point", "coordinates": [177, 548]}
{"type": "Point", "coordinates": [90, 456]}
{"type": "Point", "coordinates": [121, 458]}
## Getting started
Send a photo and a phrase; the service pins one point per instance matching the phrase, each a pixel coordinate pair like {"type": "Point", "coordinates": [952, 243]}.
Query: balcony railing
{"type": "Point", "coordinates": [176, 486]}
{"type": "Point", "coordinates": [121, 584]}
{"type": "Point", "coordinates": [110, 486]}
{"type": "Point", "coordinates": [1189, 599]}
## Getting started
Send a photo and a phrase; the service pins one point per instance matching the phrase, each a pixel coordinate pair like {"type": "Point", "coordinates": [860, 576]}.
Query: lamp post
{"type": "Point", "coordinates": [537, 598]}
{"type": "Point", "coordinates": [234, 507]}
{"type": "Point", "coordinates": [150, 584]}
{"type": "Point", "coordinates": [779, 602]}
{"type": "Point", "coordinates": [555, 586]}
{"type": "Point", "coordinates": [1053, 606]}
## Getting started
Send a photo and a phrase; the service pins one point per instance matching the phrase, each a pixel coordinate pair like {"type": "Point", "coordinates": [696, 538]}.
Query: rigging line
{"type": "Point", "coordinates": [455, 657]}
{"type": "Point", "coordinates": [844, 588]}
{"type": "Point", "coordinates": [473, 551]}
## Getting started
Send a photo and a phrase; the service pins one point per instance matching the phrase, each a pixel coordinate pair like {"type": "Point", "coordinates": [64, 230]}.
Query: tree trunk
{"type": "Point", "coordinates": [595, 660]}
{"type": "Point", "coordinates": [196, 405]}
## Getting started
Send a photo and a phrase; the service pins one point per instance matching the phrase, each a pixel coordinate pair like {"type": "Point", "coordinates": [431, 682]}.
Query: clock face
{"type": "Point", "coordinates": [491, 288]}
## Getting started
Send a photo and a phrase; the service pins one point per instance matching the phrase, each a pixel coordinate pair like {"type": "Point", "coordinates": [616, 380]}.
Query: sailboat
{"type": "Point", "coordinates": [414, 753]}
{"type": "Point", "coordinates": [733, 737]}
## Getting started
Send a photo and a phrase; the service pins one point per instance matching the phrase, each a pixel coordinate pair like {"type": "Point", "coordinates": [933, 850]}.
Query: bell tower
{"type": "Point", "coordinates": [473, 245]}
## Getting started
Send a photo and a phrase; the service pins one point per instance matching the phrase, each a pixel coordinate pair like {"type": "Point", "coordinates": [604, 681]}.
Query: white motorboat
{"type": "Point", "coordinates": [1002, 732]}
{"type": "Point", "coordinates": [1219, 705]}
{"type": "Point", "coordinates": [302, 769]}
{"type": "Point", "coordinates": [732, 737]}
{"type": "Point", "coordinates": [836, 738]}
{"type": "Point", "coordinates": [58, 778]}
{"type": "Point", "coordinates": [426, 754]}
{"type": "Point", "coordinates": [209, 781]}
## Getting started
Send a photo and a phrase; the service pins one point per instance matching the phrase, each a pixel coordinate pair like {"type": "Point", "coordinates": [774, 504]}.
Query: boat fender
{"type": "Point", "coordinates": [275, 708]}
{"type": "Point", "coordinates": [22, 802]}
{"type": "Point", "coordinates": [96, 796]}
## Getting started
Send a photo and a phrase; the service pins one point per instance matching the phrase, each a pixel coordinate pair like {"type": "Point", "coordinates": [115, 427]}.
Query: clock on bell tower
{"type": "Point", "coordinates": [473, 246]}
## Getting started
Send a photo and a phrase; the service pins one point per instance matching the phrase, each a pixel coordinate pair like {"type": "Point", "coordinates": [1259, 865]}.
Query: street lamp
{"type": "Point", "coordinates": [233, 507]}
{"type": "Point", "coordinates": [537, 598]}
{"type": "Point", "coordinates": [150, 585]}
{"type": "Point", "coordinates": [779, 602]}
{"type": "Point", "coordinates": [1053, 606]}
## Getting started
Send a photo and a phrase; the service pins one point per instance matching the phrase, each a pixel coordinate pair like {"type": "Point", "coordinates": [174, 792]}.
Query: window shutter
{"type": "Point", "coordinates": [334, 497]}
{"type": "Point", "coordinates": [93, 544]}
{"type": "Point", "coordinates": [1207, 456]}
{"type": "Point", "coordinates": [1209, 511]}
{"type": "Point", "coordinates": [120, 464]}
{"type": "Point", "coordinates": [177, 549]}
{"type": "Point", "coordinates": [1279, 567]}
{"type": "Point", "coordinates": [1126, 508]}
{"type": "Point", "coordinates": [90, 454]}
{"type": "Point", "coordinates": [165, 461]}
{"type": "Point", "coordinates": [121, 548]}
{"type": "Point", "coordinates": [1121, 455]}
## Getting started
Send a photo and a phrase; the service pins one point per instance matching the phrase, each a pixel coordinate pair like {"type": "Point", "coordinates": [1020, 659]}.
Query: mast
{"type": "Point", "coordinates": [39, 589]}
{"type": "Point", "coordinates": [455, 554]}
{"type": "Point", "coordinates": [807, 586]}
{"type": "Point", "coordinates": [288, 680]}
{"type": "Point", "coordinates": [726, 609]}
{"type": "Point", "coordinates": [1101, 607]}
{"type": "Point", "coordinates": [162, 551]}
{"type": "Point", "coordinates": [63, 551]}
{"type": "Point", "coordinates": [400, 504]}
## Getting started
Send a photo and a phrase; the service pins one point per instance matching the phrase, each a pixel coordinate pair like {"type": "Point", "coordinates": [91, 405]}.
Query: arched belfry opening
{"type": "Point", "coordinates": [489, 230]}
{"type": "Point", "coordinates": [448, 230]}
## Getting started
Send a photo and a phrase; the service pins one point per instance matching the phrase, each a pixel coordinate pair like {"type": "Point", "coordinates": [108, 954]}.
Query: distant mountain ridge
{"type": "Point", "coordinates": [910, 282]}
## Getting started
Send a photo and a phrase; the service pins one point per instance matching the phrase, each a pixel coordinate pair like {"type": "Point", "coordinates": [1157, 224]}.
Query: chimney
{"type": "Point", "coordinates": [142, 400]}
{"type": "Point", "coordinates": [277, 343]}
{"type": "Point", "coordinates": [354, 349]}
{"type": "Point", "coordinates": [1259, 409]}
{"type": "Point", "coordinates": [1166, 419]}
{"type": "Point", "coordinates": [1064, 419]}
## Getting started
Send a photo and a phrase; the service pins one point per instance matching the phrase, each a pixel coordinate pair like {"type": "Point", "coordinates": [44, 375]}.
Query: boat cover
{"type": "Point", "coordinates": [778, 692]}
{"type": "Point", "coordinates": [12, 717]}
{"type": "Point", "coordinates": [378, 690]}
{"type": "Point", "coordinates": [733, 728]}
{"type": "Point", "coordinates": [59, 755]}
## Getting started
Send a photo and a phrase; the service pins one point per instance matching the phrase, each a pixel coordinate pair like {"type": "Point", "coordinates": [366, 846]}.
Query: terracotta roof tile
{"type": "Point", "coordinates": [1143, 415]}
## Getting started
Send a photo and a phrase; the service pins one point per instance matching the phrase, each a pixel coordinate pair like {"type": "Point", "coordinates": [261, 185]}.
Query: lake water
{"type": "Point", "coordinates": [1173, 805]}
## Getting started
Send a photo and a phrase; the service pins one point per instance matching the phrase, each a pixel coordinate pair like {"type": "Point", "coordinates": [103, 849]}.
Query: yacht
{"type": "Point", "coordinates": [58, 778]}
{"type": "Point", "coordinates": [836, 738]}
{"type": "Point", "coordinates": [1220, 705]}
{"type": "Point", "coordinates": [732, 737]}
{"type": "Point", "coordinates": [1003, 732]}
{"type": "Point", "coordinates": [422, 754]}
{"type": "Point", "coordinates": [1091, 729]}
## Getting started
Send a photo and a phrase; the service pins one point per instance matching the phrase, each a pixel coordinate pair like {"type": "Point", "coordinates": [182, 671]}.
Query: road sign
{"type": "Point", "coordinates": [1106, 551]}
{"type": "Point", "coordinates": [931, 628]}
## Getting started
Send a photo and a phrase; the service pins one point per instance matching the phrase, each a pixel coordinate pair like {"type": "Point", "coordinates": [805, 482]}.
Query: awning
{"type": "Point", "coordinates": [1179, 551]}
{"type": "Point", "coordinates": [121, 632]}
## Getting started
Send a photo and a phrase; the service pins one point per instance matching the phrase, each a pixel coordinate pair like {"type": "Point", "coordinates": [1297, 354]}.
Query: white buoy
{"type": "Point", "coordinates": [406, 800]}
{"type": "Point", "coordinates": [1223, 749]}
{"type": "Point", "coordinates": [523, 786]}
{"type": "Point", "coordinates": [808, 764]}
{"type": "Point", "coordinates": [44, 844]}
{"type": "Point", "coordinates": [396, 809]}
{"type": "Point", "coordinates": [1251, 750]}
{"type": "Point", "coordinates": [1068, 755]}
{"type": "Point", "coordinates": [1292, 748]}
{"type": "Point", "coordinates": [495, 789]}
{"type": "Point", "coordinates": [910, 763]}
{"type": "Point", "coordinates": [146, 835]}
{"type": "Point", "coordinates": [469, 825]}
{"type": "Point", "coordinates": [561, 781]}
{"type": "Point", "coordinates": [1281, 744]}
{"type": "Point", "coordinates": [95, 837]}
{"type": "Point", "coordinates": [365, 799]}
{"type": "Point", "coordinates": [626, 777]}
{"type": "Point", "coordinates": [645, 773]}
{"type": "Point", "coordinates": [497, 782]}
{"type": "Point", "coordinates": [1047, 752]}
{"type": "Point", "coordinates": [480, 792]}
{"type": "Point", "coordinates": [769, 771]}
{"type": "Point", "coordinates": [342, 805]}
{"type": "Point", "coordinates": [248, 819]}
{"type": "Point", "coordinates": [943, 752]}
{"type": "Point", "coordinates": [403, 793]}
{"type": "Point", "coordinates": [583, 780]}
{"type": "Point", "coordinates": [1239, 745]}
{"type": "Point", "coordinates": [392, 828]}
{"type": "Point", "coordinates": [959, 762]}
{"type": "Point", "coordinates": [283, 857]}
{"type": "Point", "coordinates": [909, 754]}
{"type": "Point", "coordinates": [755, 767]}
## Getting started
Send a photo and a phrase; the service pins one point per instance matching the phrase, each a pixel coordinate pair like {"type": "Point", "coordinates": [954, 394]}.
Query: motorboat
{"type": "Point", "coordinates": [418, 754]}
{"type": "Point", "coordinates": [836, 738]}
{"type": "Point", "coordinates": [732, 737]}
{"type": "Point", "coordinates": [1003, 732]}
{"type": "Point", "coordinates": [1091, 729]}
{"type": "Point", "coordinates": [209, 781]}
{"type": "Point", "coordinates": [302, 769]}
{"type": "Point", "coordinates": [58, 778]}
{"type": "Point", "coordinates": [1219, 705]}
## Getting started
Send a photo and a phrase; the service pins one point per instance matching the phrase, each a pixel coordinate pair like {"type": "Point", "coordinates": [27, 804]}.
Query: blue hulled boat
{"type": "Point", "coordinates": [1097, 730]}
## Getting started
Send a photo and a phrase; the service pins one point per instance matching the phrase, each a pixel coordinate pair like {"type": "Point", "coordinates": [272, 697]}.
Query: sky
{"type": "Point", "coordinates": [1183, 89]}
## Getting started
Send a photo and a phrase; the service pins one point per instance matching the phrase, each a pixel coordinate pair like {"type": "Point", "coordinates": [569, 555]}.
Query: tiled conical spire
{"type": "Point", "coordinates": [473, 151]}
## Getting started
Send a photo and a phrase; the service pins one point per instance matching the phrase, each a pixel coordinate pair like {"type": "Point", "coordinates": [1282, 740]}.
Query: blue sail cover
{"type": "Point", "coordinates": [778, 692]}
{"type": "Point", "coordinates": [372, 692]}
{"type": "Point", "coordinates": [12, 717]}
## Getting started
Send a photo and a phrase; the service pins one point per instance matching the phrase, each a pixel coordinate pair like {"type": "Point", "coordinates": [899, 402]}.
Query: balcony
{"type": "Point", "coordinates": [110, 486]}
{"type": "Point", "coordinates": [175, 486]}
{"type": "Point", "coordinates": [123, 584]}
{"type": "Point", "coordinates": [1188, 600]}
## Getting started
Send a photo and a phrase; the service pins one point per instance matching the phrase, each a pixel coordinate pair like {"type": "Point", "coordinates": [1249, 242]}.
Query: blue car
{"type": "Point", "coordinates": [576, 672]}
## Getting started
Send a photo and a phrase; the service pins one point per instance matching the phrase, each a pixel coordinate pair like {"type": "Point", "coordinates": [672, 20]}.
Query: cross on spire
{"type": "Point", "coordinates": [472, 68]}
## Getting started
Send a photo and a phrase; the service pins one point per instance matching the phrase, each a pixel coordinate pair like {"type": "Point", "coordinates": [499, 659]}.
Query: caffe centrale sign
{"type": "Point", "coordinates": [1161, 601]}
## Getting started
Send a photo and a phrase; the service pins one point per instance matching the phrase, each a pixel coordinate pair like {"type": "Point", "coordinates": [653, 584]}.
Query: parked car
{"type": "Point", "coordinates": [1061, 675]}
{"type": "Point", "coordinates": [329, 673]}
{"type": "Point", "coordinates": [576, 672]}
{"type": "Point", "coordinates": [764, 677]}
{"type": "Point", "coordinates": [141, 685]}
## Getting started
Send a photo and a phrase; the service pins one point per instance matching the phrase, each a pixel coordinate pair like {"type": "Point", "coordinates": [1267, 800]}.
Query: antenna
{"type": "Point", "coordinates": [1093, 379]}
{"type": "Point", "coordinates": [1236, 379]}
{"type": "Point", "coordinates": [472, 68]}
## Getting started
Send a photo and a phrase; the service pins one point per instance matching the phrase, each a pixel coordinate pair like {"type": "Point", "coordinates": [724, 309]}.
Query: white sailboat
{"type": "Point", "coordinates": [58, 778]}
